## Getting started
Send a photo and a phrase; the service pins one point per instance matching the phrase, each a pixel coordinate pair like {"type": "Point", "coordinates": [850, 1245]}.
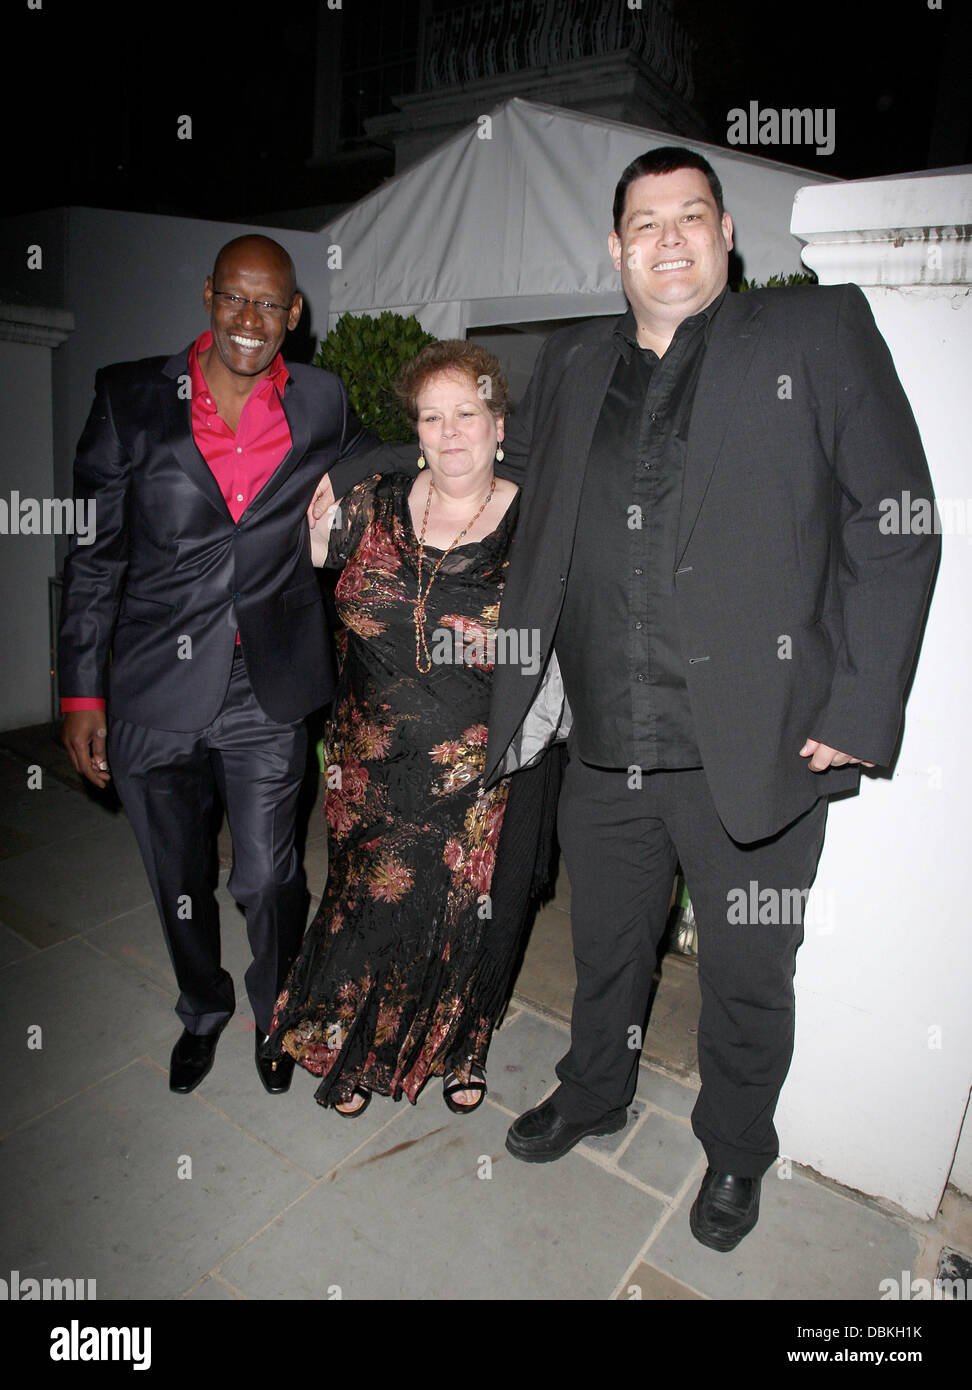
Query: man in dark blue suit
{"type": "Point", "coordinates": [199, 588]}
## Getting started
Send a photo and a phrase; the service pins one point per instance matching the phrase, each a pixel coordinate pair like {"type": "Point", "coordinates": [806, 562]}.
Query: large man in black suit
{"type": "Point", "coordinates": [196, 615]}
{"type": "Point", "coordinates": [726, 632]}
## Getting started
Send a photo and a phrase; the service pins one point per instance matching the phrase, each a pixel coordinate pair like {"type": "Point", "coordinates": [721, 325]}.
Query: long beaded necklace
{"type": "Point", "coordinates": [421, 645]}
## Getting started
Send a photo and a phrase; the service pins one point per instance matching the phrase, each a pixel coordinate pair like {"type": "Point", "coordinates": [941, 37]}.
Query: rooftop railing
{"type": "Point", "coordinates": [491, 37]}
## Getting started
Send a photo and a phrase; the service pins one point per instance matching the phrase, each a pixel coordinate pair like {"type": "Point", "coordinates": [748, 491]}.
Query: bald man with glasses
{"type": "Point", "coordinates": [193, 640]}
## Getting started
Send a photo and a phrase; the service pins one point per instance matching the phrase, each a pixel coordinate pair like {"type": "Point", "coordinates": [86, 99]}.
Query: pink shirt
{"type": "Point", "coordinates": [241, 462]}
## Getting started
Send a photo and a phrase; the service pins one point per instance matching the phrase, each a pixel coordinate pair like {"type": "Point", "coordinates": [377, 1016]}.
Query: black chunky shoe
{"type": "Point", "coordinates": [191, 1060]}
{"type": "Point", "coordinates": [726, 1209]}
{"type": "Point", "coordinates": [542, 1134]}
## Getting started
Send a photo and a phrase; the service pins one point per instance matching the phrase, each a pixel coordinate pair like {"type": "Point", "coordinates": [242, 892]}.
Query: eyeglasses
{"type": "Point", "coordinates": [262, 306]}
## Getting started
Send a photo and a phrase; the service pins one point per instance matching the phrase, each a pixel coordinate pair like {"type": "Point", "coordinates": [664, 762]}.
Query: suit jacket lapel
{"type": "Point", "coordinates": [297, 419]}
{"type": "Point", "coordinates": [734, 335]}
{"type": "Point", "coordinates": [177, 432]}
{"type": "Point", "coordinates": [588, 375]}
{"type": "Point", "coordinates": [178, 436]}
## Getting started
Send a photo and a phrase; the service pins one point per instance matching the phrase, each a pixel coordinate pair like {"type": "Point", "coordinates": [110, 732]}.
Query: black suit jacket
{"type": "Point", "coordinates": [170, 578]}
{"type": "Point", "coordinates": [798, 616]}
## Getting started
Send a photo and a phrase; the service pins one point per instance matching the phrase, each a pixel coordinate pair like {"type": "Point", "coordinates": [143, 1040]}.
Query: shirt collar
{"type": "Point", "coordinates": [626, 330]}
{"type": "Point", "coordinates": [278, 375]}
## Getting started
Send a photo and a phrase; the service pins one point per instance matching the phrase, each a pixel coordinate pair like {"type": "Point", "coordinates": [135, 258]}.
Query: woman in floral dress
{"type": "Point", "coordinates": [379, 998]}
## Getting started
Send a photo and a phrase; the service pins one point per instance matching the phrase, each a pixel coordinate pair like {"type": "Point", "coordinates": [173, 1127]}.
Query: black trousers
{"type": "Point", "coordinates": [168, 783]}
{"type": "Point", "coordinates": [620, 845]}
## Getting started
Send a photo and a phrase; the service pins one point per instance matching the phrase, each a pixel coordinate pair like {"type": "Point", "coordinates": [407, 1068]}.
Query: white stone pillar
{"type": "Point", "coordinates": [880, 1079]}
{"type": "Point", "coordinates": [28, 336]}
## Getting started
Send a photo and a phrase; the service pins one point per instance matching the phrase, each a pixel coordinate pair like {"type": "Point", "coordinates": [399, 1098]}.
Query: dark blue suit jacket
{"type": "Point", "coordinates": [169, 578]}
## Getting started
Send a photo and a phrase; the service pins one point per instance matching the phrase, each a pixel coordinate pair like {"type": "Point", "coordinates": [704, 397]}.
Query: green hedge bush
{"type": "Point", "coordinates": [367, 354]}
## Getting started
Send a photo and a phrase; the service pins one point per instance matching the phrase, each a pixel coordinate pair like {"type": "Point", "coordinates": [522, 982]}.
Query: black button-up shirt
{"type": "Point", "coordinates": [617, 641]}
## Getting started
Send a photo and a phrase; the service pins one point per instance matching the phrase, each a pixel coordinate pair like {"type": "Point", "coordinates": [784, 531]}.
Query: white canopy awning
{"type": "Point", "coordinates": [508, 222]}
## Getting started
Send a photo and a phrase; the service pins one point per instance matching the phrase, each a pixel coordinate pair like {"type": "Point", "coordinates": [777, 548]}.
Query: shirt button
{"type": "Point", "coordinates": [239, 497]}
{"type": "Point", "coordinates": [238, 449]}
{"type": "Point", "coordinates": [638, 570]}
{"type": "Point", "coordinates": [638, 626]}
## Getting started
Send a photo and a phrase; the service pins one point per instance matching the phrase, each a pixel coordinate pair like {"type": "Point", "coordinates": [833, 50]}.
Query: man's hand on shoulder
{"type": "Point", "coordinates": [83, 735]}
{"type": "Point", "coordinates": [822, 756]}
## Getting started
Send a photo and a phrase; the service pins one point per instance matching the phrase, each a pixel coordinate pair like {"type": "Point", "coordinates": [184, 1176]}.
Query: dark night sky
{"type": "Point", "coordinates": [112, 80]}
{"type": "Point", "coordinates": [882, 65]}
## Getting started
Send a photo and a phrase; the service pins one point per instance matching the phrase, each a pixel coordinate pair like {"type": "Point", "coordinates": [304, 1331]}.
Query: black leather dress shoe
{"type": "Point", "coordinates": [542, 1134]}
{"type": "Point", "coordinates": [726, 1209]}
{"type": "Point", "coordinates": [191, 1060]}
{"type": "Point", "coordinates": [277, 1073]}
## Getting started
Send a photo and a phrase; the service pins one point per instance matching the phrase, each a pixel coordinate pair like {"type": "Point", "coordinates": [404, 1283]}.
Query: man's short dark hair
{"type": "Point", "coordinates": [664, 160]}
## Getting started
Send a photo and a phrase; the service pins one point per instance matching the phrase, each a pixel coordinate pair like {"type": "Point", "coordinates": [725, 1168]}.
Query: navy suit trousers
{"type": "Point", "coordinates": [168, 783]}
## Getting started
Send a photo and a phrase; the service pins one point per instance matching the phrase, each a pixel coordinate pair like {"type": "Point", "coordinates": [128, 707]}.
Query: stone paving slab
{"type": "Point", "coordinates": [526, 1055]}
{"type": "Point", "coordinates": [664, 1093]}
{"type": "Point", "coordinates": [547, 976]}
{"type": "Point", "coordinates": [285, 1198]}
{"type": "Point", "coordinates": [522, 1056]}
{"type": "Point", "coordinates": [811, 1242]}
{"type": "Point", "coordinates": [315, 865]}
{"type": "Point", "coordinates": [520, 1072]}
{"type": "Point", "coordinates": [609, 1144]}
{"type": "Point", "coordinates": [671, 1037]}
{"type": "Point", "coordinates": [93, 1189]}
{"type": "Point", "coordinates": [32, 927]}
{"type": "Point", "coordinates": [51, 814]}
{"type": "Point", "coordinates": [55, 892]}
{"type": "Point", "coordinates": [410, 1217]}
{"type": "Point", "coordinates": [94, 1017]}
{"type": "Point", "coordinates": [646, 1282]}
{"type": "Point", "coordinates": [293, 1125]}
{"type": "Point", "coordinates": [211, 1291]}
{"type": "Point", "coordinates": [134, 940]}
{"type": "Point", "coordinates": [662, 1152]}
{"type": "Point", "coordinates": [13, 947]}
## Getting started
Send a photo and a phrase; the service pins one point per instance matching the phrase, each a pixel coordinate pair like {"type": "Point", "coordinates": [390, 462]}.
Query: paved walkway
{"type": "Point", "coordinates": [232, 1194]}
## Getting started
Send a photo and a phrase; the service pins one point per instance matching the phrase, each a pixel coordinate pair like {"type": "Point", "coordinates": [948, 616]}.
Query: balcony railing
{"type": "Point", "coordinates": [490, 37]}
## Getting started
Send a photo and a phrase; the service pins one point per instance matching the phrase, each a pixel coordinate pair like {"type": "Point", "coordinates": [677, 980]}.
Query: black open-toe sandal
{"type": "Point", "coordinates": [451, 1085]}
{"type": "Point", "coordinates": [353, 1114]}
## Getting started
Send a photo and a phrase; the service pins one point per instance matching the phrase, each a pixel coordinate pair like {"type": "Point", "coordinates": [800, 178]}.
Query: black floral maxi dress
{"type": "Point", "coordinates": [376, 997]}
